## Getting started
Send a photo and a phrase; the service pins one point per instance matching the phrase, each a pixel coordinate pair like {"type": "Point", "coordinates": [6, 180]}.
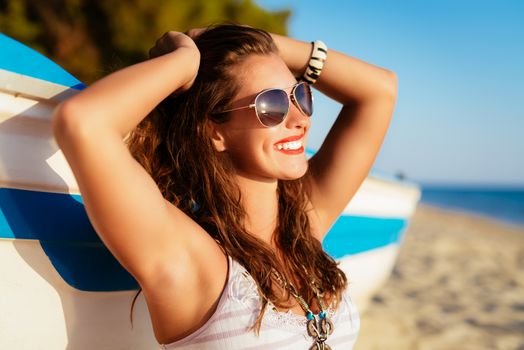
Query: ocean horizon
{"type": "Point", "coordinates": [505, 205]}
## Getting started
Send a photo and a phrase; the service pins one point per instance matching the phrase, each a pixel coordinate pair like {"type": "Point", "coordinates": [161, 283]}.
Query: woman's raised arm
{"type": "Point", "coordinates": [368, 95]}
{"type": "Point", "coordinates": [123, 202]}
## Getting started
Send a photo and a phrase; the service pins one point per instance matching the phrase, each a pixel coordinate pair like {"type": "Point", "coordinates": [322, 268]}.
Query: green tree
{"type": "Point", "coordinates": [92, 38]}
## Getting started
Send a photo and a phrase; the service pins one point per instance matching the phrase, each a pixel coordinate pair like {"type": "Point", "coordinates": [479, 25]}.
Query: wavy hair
{"type": "Point", "coordinates": [173, 145]}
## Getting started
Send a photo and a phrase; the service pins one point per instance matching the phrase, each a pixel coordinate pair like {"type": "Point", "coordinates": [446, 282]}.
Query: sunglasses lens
{"type": "Point", "coordinates": [304, 98]}
{"type": "Point", "coordinates": [272, 107]}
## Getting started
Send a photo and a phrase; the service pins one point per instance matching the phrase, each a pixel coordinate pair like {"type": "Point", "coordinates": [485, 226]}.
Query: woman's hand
{"type": "Point", "coordinates": [194, 32]}
{"type": "Point", "coordinates": [172, 41]}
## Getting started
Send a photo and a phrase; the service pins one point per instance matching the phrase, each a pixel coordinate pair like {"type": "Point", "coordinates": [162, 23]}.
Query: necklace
{"type": "Point", "coordinates": [319, 326]}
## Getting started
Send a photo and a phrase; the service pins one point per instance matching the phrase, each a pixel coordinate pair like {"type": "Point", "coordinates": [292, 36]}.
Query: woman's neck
{"type": "Point", "coordinates": [260, 200]}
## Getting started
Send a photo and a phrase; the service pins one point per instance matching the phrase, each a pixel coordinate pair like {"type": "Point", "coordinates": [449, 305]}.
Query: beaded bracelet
{"type": "Point", "coordinates": [316, 62]}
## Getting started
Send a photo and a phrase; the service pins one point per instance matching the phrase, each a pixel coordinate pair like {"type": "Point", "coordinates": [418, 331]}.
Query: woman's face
{"type": "Point", "coordinates": [259, 152]}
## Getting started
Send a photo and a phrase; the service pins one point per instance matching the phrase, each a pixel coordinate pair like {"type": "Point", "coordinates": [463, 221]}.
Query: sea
{"type": "Point", "coordinates": [502, 204]}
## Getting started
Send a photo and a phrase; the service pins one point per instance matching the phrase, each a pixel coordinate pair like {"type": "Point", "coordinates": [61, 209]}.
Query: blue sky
{"type": "Point", "coordinates": [459, 117]}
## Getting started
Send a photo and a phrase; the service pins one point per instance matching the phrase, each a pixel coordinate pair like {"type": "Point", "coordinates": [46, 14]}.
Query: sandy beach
{"type": "Point", "coordinates": [458, 284]}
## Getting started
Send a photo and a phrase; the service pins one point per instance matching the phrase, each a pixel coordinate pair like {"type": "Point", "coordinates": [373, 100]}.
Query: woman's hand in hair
{"type": "Point", "coordinates": [172, 41]}
{"type": "Point", "coordinates": [194, 32]}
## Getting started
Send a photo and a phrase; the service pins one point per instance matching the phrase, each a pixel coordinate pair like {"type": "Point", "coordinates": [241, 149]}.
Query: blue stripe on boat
{"type": "Point", "coordinates": [21, 59]}
{"type": "Point", "coordinates": [60, 223]}
{"type": "Point", "coordinates": [357, 234]}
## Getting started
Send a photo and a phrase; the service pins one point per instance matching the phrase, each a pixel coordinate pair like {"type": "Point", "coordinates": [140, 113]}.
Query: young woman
{"type": "Point", "coordinates": [192, 170]}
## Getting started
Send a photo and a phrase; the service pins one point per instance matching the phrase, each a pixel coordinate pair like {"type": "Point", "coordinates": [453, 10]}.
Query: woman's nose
{"type": "Point", "coordinates": [296, 118]}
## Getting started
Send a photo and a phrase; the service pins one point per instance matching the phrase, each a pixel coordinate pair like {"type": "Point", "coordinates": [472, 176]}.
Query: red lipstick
{"type": "Point", "coordinates": [279, 146]}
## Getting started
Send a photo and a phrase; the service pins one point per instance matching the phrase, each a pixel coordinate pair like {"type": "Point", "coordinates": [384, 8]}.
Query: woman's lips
{"type": "Point", "coordinates": [291, 138]}
{"type": "Point", "coordinates": [291, 145]}
{"type": "Point", "coordinates": [292, 151]}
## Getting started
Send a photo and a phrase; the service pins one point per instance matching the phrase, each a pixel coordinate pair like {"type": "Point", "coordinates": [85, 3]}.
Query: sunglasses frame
{"type": "Point", "coordinates": [290, 97]}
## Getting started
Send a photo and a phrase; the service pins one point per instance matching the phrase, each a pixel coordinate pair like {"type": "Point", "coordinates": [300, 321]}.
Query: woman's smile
{"type": "Point", "coordinates": [291, 145]}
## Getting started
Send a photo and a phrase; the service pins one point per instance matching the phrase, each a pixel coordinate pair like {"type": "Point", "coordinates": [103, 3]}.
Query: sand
{"type": "Point", "coordinates": [458, 284]}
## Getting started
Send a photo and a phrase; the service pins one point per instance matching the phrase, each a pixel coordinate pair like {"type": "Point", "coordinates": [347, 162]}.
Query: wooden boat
{"type": "Point", "coordinates": [60, 287]}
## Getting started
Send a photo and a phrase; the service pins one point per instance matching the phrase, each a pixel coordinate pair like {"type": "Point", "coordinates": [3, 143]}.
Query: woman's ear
{"type": "Point", "coordinates": [214, 130]}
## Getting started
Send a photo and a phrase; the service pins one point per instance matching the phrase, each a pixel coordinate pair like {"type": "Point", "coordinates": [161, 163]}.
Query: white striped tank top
{"type": "Point", "coordinates": [238, 308]}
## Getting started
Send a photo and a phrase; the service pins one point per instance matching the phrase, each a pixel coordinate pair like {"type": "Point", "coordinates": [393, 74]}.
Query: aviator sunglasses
{"type": "Point", "coordinates": [272, 105]}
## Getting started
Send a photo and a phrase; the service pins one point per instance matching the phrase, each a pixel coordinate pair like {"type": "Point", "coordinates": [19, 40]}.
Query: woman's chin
{"type": "Point", "coordinates": [295, 173]}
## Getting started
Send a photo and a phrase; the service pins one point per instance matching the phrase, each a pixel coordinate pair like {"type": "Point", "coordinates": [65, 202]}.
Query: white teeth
{"type": "Point", "coordinates": [293, 145]}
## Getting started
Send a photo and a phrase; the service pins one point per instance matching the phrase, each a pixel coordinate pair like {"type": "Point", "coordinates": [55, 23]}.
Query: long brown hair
{"type": "Point", "coordinates": [173, 145]}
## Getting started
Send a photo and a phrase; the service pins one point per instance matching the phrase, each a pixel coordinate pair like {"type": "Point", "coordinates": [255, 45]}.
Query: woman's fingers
{"type": "Point", "coordinates": [168, 42]}
{"type": "Point", "coordinates": [153, 52]}
{"type": "Point", "coordinates": [194, 32]}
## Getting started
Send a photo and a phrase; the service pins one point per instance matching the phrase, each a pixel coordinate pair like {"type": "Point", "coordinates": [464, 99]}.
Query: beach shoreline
{"type": "Point", "coordinates": [458, 283]}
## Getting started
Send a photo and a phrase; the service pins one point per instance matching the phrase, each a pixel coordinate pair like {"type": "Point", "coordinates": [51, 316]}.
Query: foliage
{"type": "Point", "coordinates": [92, 38]}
